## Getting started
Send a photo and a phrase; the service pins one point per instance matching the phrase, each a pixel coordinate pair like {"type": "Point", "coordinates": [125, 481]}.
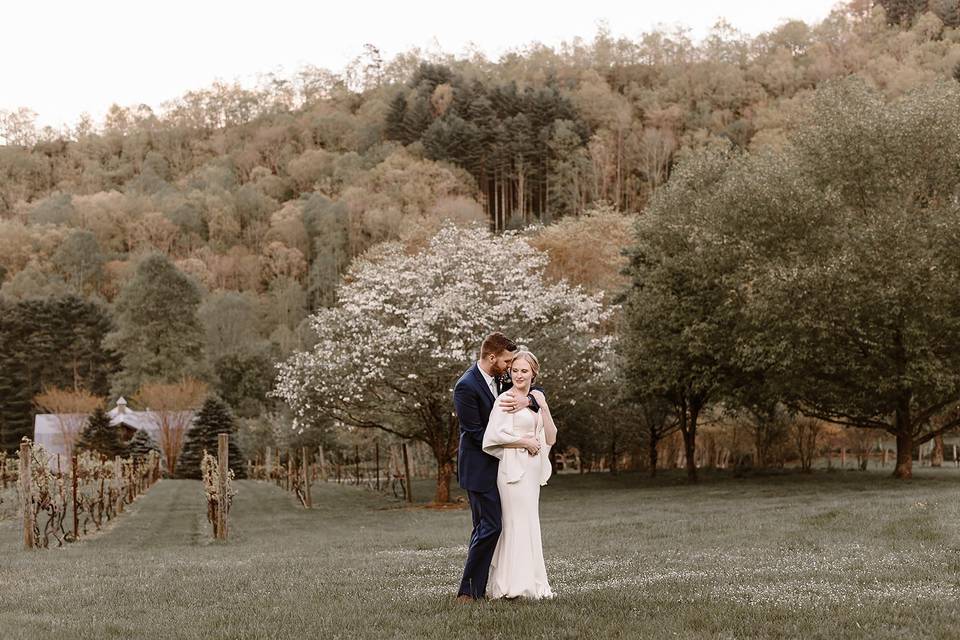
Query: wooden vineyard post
{"type": "Point", "coordinates": [406, 470]}
{"type": "Point", "coordinates": [269, 462]}
{"type": "Point", "coordinates": [376, 450]}
{"type": "Point", "coordinates": [323, 464]}
{"type": "Point", "coordinates": [305, 463]}
{"type": "Point", "coordinates": [26, 506]}
{"type": "Point", "coordinates": [118, 482]}
{"type": "Point", "coordinates": [131, 484]}
{"type": "Point", "coordinates": [223, 464]}
{"type": "Point", "coordinates": [73, 489]}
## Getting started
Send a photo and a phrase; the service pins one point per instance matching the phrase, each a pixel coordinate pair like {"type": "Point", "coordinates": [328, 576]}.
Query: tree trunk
{"type": "Point", "coordinates": [653, 456]}
{"type": "Point", "coordinates": [613, 457]}
{"type": "Point", "coordinates": [904, 468]}
{"type": "Point", "coordinates": [618, 195]}
{"type": "Point", "coordinates": [690, 451]}
{"type": "Point", "coordinates": [936, 457]}
{"type": "Point", "coordinates": [443, 446]}
{"type": "Point", "coordinates": [902, 422]}
{"type": "Point", "coordinates": [689, 428]}
{"type": "Point", "coordinates": [521, 193]}
{"type": "Point", "coordinates": [444, 473]}
{"type": "Point", "coordinates": [759, 442]}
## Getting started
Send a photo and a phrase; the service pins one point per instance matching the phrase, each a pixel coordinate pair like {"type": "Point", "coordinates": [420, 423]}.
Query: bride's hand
{"type": "Point", "coordinates": [531, 445]}
{"type": "Point", "coordinates": [540, 398]}
{"type": "Point", "coordinates": [512, 404]}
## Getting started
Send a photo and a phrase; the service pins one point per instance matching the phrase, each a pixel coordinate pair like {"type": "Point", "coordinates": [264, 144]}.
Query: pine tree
{"type": "Point", "coordinates": [213, 419]}
{"type": "Point", "coordinates": [416, 120]}
{"type": "Point", "coordinates": [395, 116]}
{"type": "Point", "coordinates": [100, 436]}
{"type": "Point", "coordinates": [158, 334]}
{"type": "Point", "coordinates": [141, 444]}
{"type": "Point", "coordinates": [48, 342]}
{"type": "Point", "coordinates": [563, 178]}
{"type": "Point", "coordinates": [16, 411]}
{"type": "Point", "coordinates": [902, 12]}
{"type": "Point", "coordinates": [428, 75]}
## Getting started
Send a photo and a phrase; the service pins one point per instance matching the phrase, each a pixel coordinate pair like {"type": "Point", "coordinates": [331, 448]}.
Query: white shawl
{"type": "Point", "coordinates": [500, 431]}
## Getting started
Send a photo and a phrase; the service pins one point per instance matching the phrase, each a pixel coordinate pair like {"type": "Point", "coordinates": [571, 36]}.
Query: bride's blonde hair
{"type": "Point", "coordinates": [524, 354]}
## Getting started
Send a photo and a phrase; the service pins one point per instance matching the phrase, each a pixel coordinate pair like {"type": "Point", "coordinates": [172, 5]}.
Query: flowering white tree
{"type": "Point", "coordinates": [407, 326]}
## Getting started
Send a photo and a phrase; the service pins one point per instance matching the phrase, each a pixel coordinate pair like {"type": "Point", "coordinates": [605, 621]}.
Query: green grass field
{"type": "Point", "coordinates": [835, 555]}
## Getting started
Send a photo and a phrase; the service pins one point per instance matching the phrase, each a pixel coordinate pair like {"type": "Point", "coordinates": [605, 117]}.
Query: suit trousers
{"type": "Point", "coordinates": [487, 523]}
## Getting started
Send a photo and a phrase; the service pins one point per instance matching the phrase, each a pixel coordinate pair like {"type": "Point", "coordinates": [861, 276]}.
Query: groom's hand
{"type": "Point", "coordinates": [511, 405]}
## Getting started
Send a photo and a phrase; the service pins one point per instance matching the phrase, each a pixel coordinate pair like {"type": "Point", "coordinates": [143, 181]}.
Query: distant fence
{"type": "Point", "coordinates": [379, 468]}
{"type": "Point", "coordinates": [715, 451]}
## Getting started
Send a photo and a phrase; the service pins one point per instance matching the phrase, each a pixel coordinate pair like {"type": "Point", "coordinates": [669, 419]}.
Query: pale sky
{"type": "Point", "coordinates": [65, 57]}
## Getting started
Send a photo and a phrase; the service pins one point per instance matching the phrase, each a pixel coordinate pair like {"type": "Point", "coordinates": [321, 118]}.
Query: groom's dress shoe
{"type": "Point", "coordinates": [464, 599]}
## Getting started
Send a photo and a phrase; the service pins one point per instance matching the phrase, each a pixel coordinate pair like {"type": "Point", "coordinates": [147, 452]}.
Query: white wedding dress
{"type": "Point", "coordinates": [518, 568]}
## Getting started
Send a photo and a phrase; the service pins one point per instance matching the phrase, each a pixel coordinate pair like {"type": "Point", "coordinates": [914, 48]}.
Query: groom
{"type": "Point", "coordinates": [473, 398]}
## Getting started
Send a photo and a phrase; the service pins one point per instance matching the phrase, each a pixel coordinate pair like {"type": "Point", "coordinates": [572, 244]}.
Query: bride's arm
{"type": "Point", "coordinates": [549, 427]}
{"type": "Point", "coordinates": [499, 434]}
{"type": "Point", "coordinates": [530, 444]}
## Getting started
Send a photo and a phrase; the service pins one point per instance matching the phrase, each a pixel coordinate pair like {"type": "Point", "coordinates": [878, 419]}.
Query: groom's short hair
{"type": "Point", "coordinates": [495, 344]}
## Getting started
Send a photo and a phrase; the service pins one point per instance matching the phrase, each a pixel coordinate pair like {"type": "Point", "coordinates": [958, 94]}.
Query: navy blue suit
{"type": "Point", "coordinates": [477, 474]}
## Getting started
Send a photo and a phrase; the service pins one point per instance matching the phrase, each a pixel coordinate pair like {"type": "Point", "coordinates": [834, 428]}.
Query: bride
{"type": "Point", "coordinates": [521, 441]}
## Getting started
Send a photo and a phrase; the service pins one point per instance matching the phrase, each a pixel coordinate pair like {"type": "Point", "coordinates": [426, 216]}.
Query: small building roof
{"type": "Point", "coordinates": [48, 432]}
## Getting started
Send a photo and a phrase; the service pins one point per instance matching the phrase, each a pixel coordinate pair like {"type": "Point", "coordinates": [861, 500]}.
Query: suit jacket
{"type": "Point", "coordinates": [473, 401]}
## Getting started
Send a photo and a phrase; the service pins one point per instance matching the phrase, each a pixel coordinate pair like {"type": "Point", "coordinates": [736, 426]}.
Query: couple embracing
{"type": "Point", "coordinates": [506, 432]}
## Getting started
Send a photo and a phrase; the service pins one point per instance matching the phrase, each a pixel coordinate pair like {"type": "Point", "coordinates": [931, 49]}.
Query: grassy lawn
{"type": "Point", "coordinates": [832, 555]}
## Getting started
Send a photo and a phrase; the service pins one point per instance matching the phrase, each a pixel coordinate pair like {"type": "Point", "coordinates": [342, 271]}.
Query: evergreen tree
{"type": "Point", "coordinates": [506, 100]}
{"type": "Point", "coordinates": [214, 418]}
{"type": "Point", "coordinates": [393, 129]}
{"type": "Point", "coordinates": [141, 444]}
{"type": "Point", "coordinates": [438, 141]}
{"type": "Point", "coordinates": [428, 75]}
{"type": "Point", "coordinates": [563, 187]}
{"type": "Point", "coordinates": [416, 120]}
{"type": "Point", "coordinates": [100, 436]}
{"type": "Point", "coordinates": [902, 12]}
{"type": "Point", "coordinates": [244, 381]}
{"type": "Point", "coordinates": [16, 411]}
{"type": "Point", "coordinates": [158, 334]}
{"type": "Point", "coordinates": [48, 342]}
